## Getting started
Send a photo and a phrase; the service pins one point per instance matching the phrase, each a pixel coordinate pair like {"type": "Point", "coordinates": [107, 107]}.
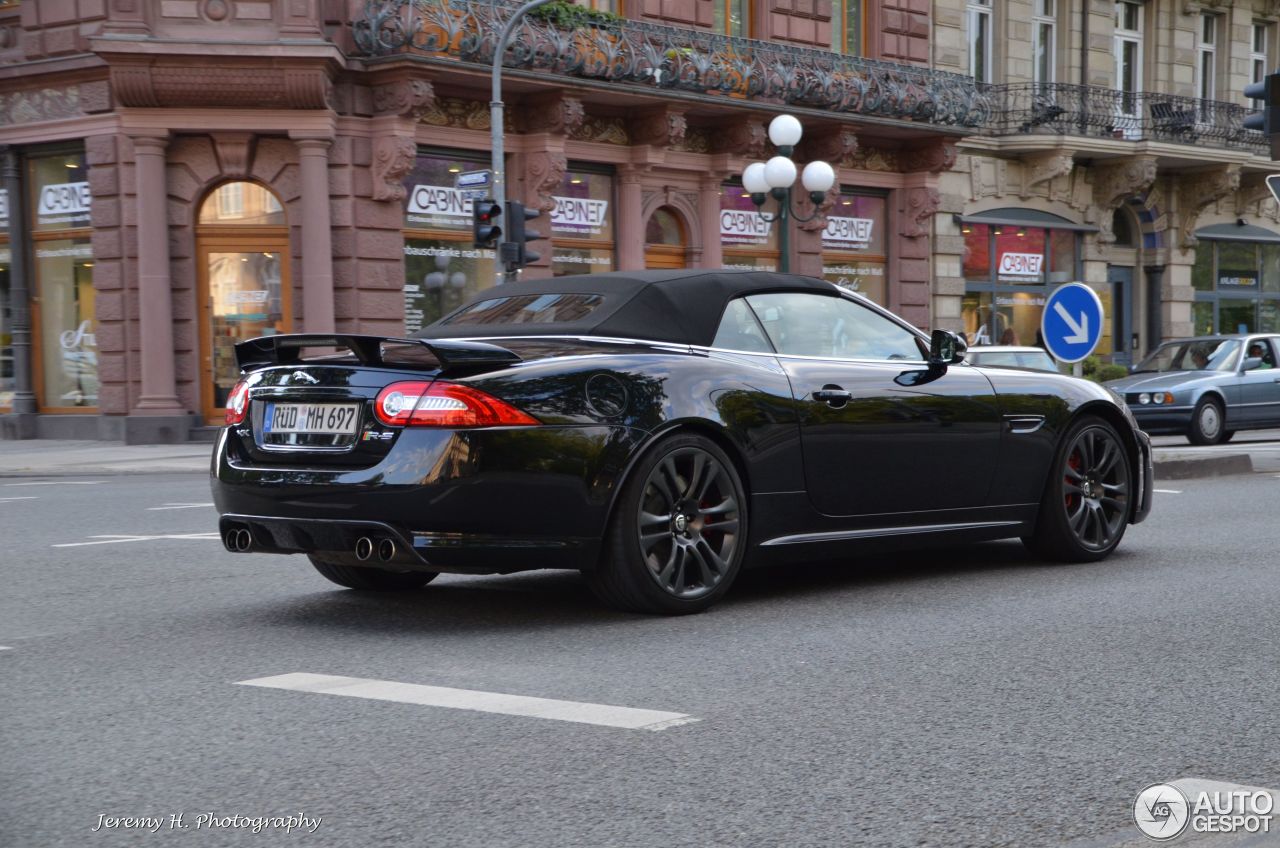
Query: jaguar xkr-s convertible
{"type": "Point", "coordinates": [660, 431]}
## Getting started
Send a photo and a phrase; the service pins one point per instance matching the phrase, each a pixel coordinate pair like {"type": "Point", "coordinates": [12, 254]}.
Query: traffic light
{"type": "Point", "coordinates": [520, 255]}
{"type": "Point", "coordinates": [485, 231]}
{"type": "Point", "coordinates": [1266, 90]}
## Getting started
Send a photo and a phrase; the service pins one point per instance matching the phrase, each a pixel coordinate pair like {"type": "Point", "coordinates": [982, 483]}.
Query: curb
{"type": "Point", "coordinates": [1208, 466]}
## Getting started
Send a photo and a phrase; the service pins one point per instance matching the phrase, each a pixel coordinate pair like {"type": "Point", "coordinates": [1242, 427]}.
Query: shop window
{"type": "Point", "coordinates": [1122, 229]}
{"type": "Point", "coordinates": [63, 319]}
{"type": "Point", "coordinates": [442, 267]}
{"type": "Point", "coordinates": [1008, 272]}
{"type": "Point", "coordinates": [581, 224]}
{"type": "Point", "coordinates": [750, 239]}
{"type": "Point", "coordinates": [853, 244]}
{"type": "Point", "coordinates": [1237, 286]}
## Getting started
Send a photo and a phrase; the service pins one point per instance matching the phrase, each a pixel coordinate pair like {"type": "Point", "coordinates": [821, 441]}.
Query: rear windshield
{"type": "Point", "coordinates": [528, 309]}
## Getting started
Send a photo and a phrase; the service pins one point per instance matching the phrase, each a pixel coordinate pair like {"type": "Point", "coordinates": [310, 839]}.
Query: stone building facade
{"type": "Point", "coordinates": [1113, 154]}
{"type": "Point", "coordinates": [181, 175]}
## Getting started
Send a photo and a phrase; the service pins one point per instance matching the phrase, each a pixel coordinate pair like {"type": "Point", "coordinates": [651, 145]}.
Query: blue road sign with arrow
{"type": "Point", "coordinates": [1072, 322]}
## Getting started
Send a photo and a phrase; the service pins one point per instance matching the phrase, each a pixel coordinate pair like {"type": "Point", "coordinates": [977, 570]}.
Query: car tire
{"type": "Point", "coordinates": [1087, 499]}
{"type": "Point", "coordinates": [1227, 436]}
{"type": "Point", "coordinates": [1207, 423]}
{"type": "Point", "coordinates": [371, 579]}
{"type": "Point", "coordinates": [678, 534]}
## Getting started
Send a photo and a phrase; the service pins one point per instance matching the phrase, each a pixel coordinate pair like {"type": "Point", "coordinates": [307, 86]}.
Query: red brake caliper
{"type": "Point", "coordinates": [1074, 462]}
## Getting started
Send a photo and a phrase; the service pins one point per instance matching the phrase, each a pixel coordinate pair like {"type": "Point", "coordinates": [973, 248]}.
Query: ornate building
{"type": "Point", "coordinates": [1112, 153]}
{"type": "Point", "coordinates": [181, 175]}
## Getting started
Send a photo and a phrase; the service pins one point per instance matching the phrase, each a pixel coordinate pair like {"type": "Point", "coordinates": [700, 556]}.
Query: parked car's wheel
{"type": "Point", "coordinates": [1086, 503]}
{"type": "Point", "coordinates": [678, 534]}
{"type": "Point", "coordinates": [1207, 423]}
{"type": "Point", "coordinates": [372, 579]}
{"type": "Point", "coordinates": [1226, 436]}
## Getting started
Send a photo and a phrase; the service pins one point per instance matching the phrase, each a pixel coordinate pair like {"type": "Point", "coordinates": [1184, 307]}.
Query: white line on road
{"type": "Point", "coordinates": [61, 483]}
{"type": "Point", "coordinates": [25, 498]}
{"type": "Point", "coordinates": [5, 648]}
{"type": "Point", "coordinates": [1168, 491]}
{"type": "Point", "coordinates": [177, 506]}
{"type": "Point", "coordinates": [469, 699]}
{"type": "Point", "coordinates": [114, 539]}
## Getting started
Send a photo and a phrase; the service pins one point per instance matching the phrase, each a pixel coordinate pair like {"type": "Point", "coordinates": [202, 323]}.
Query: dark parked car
{"type": "Point", "coordinates": [658, 431]}
{"type": "Point", "coordinates": [1206, 388]}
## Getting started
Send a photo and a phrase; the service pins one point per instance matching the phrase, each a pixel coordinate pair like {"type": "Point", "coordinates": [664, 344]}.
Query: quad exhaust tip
{"type": "Point", "coordinates": [364, 548]}
{"type": "Point", "coordinates": [238, 540]}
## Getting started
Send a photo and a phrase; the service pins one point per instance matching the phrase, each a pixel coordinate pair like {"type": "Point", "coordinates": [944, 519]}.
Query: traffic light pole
{"type": "Point", "coordinates": [498, 164]}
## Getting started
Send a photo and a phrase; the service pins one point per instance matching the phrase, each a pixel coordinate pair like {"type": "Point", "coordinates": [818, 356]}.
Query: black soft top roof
{"type": "Point", "coordinates": [669, 306]}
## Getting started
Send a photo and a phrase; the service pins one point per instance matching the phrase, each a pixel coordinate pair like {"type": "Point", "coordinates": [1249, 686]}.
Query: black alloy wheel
{"type": "Point", "coordinates": [369, 578]}
{"type": "Point", "coordinates": [678, 535]}
{"type": "Point", "coordinates": [1087, 501]}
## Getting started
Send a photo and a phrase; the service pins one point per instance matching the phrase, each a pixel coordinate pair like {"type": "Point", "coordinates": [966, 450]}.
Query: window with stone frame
{"type": "Point", "coordinates": [981, 40]}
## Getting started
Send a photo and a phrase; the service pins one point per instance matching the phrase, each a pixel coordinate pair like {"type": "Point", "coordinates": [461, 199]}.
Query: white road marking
{"type": "Point", "coordinates": [5, 648]}
{"type": "Point", "coordinates": [116, 539]}
{"type": "Point", "coordinates": [26, 498]}
{"type": "Point", "coordinates": [1168, 491]}
{"type": "Point", "coordinates": [61, 483]}
{"type": "Point", "coordinates": [178, 506]}
{"type": "Point", "coordinates": [605, 715]}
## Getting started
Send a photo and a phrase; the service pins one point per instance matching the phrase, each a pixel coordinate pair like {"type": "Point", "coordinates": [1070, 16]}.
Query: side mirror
{"type": "Point", "coordinates": [1251, 363]}
{"type": "Point", "coordinates": [946, 348]}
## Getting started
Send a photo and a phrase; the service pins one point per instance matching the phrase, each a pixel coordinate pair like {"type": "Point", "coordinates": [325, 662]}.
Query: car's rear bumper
{"type": "Point", "coordinates": [459, 553]}
{"type": "Point", "coordinates": [1147, 476]}
{"type": "Point", "coordinates": [481, 501]}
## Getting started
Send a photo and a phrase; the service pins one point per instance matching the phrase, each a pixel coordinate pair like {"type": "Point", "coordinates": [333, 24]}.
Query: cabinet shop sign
{"type": "Point", "coordinates": [64, 203]}
{"type": "Point", "coordinates": [1021, 266]}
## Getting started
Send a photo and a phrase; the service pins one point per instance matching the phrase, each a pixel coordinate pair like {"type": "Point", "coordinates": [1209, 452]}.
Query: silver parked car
{"type": "Point", "coordinates": [1206, 388]}
{"type": "Point", "coordinates": [1009, 356]}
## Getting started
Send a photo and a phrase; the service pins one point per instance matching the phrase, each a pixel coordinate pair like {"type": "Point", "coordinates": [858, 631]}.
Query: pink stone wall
{"type": "Point", "coordinates": [901, 29]}
{"type": "Point", "coordinates": [59, 27]}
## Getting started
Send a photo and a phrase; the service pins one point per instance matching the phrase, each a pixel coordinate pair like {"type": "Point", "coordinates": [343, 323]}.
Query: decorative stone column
{"type": "Point", "coordinates": [709, 188]}
{"type": "Point", "coordinates": [158, 417]}
{"type": "Point", "coordinates": [20, 423]}
{"type": "Point", "coordinates": [317, 241]}
{"type": "Point", "coordinates": [630, 229]}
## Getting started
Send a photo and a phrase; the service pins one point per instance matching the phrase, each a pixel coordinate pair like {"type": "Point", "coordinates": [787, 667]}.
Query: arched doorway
{"type": "Point", "coordinates": [242, 255]}
{"type": "Point", "coordinates": [665, 241]}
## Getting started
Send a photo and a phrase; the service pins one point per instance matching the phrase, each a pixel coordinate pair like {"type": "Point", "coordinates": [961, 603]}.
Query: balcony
{"type": "Point", "coordinates": [1031, 109]}
{"type": "Point", "coordinates": [654, 58]}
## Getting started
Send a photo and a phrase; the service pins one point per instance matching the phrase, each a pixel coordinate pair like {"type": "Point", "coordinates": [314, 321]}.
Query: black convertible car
{"type": "Point", "coordinates": [658, 431]}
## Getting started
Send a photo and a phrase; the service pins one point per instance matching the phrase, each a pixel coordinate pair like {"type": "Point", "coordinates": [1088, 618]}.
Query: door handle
{"type": "Point", "coordinates": [833, 395]}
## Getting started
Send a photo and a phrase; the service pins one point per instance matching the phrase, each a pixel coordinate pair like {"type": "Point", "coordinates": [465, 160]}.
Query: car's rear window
{"type": "Point", "coordinates": [528, 309]}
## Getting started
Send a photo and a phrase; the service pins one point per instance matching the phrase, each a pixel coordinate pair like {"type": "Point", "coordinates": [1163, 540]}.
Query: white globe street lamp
{"type": "Point", "coordinates": [777, 177]}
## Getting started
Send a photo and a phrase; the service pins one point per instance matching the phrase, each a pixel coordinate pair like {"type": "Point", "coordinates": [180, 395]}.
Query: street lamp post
{"type": "Point", "coordinates": [776, 178]}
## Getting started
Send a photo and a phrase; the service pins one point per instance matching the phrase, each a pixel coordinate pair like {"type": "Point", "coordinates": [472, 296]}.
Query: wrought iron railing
{"type": "Point", "coordinates": [1080, 110]}
{"type": "Point", "coordinates": [673, 59]}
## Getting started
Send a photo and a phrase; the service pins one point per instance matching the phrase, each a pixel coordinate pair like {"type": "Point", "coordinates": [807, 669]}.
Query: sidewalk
{"type": "Point", "coordinates": [41, 457]}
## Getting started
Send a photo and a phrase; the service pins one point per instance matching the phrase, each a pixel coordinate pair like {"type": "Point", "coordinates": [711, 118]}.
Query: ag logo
{"type": "Point", "coordinates": [1161, 811]}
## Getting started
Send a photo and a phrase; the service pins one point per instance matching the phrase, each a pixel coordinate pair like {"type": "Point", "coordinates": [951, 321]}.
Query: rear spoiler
{"type": "Point", "coordinates": [286, 349]}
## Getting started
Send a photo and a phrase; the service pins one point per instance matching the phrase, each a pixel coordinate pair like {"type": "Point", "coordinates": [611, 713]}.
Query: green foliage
{"type": "Point", "coordinates": [565, 15]}
{"type": "Point", "coordinates": [1111, 372]}
{"type": "Point", "coordinates": [1100, 372]}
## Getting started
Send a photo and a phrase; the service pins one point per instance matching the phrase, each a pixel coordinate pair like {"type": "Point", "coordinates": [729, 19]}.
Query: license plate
{"type": "Point", "coordinates": [327, 418]}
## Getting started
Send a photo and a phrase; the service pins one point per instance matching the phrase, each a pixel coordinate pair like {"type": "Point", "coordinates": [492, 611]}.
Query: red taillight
{"type": "Point", "coordinates": [440, 404]}
{"type": "Point", "coordinates": [238, 403]}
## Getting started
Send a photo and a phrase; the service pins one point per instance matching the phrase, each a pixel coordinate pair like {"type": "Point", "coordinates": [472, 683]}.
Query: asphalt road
{"type": "Point", "coordinates": [965, 697]}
